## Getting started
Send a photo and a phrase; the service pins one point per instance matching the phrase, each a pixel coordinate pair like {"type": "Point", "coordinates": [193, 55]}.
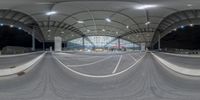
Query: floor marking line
{"type": "Point", "coordinates": [90, 63]}
{"type": "Point", "coordinates": [176, 68]}
{"type": "Point", "coordinates": [20, 68]}
{"type": "Point", "coordinates": [116, 67]}
{"type": "Point", "coordinates": [95, 76]}
{"type": "Point", "coordinates": [133, 58]}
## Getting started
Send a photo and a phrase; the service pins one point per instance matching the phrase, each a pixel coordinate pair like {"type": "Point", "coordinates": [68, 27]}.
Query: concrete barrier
{"type": "Point", "coordinates": [182, 55]}
{"type": "Point", "coordinates": [176, 68]}
{"type": "Point", "coordinates": [21, 69]}
{"type": "Point", "coordinates": [16, 55]}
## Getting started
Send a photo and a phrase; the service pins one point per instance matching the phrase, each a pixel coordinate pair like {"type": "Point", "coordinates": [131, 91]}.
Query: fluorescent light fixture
{"type": "Point", "coordinates": [19, 28]}
{"type": "Point", "coordinates": [103, 30]}
{"type": "Point", "coordinates": [175, 29]}
{"type": "Point", "coordinates": [11, 26]}
{"type": "Point", "coordinates": [1, 24]}
{"type": "Point", "coordinates": [88, 31]}
{"type": "Point", "coordinates": [80, 22]}
{"type": "Point", "coordinates": [49, 30]}
{"type": "Point", "coordinates": [145, 7]}
{"type": "Point", "coordinates": [108, 19]}
{"type": "Point", "coordinates": [147, 23]}
{"type": "Point", "coordinates": [51, 13]}
{"type": "Point", "coordinates": [189, 5]}
{"type": "Point", "coordinates": [182, 26]}
{"type": "Point", "coordinates": [127, 27]}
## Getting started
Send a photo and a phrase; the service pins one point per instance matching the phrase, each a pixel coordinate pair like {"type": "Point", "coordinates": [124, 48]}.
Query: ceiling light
{"type": "Point", "coordinates": [191, 25]}
{"type": "Point", "coordinates": [72, 35]}
{"type": "Point", "coordinates": [182, 26]}
{"type": "Point", "coordinates": [80, 22]}
{"type": "Point", "coordinates": [147, 23]}
{"type": "Point", "coordinates": [51, 13]}
{"type": "Point", "coordinates": [108, 19]}
{"type": "Point", "coordinates": [117, 32]}
{"type": "Point", "coordinates": [145, 7]}
{"type": "Point", "coordinates": [49, 30]}
{"type": "Point", "coordinates": [62, 32]}
{"type": "Point", "coordinates": [103, 30]}
{"type": "Point", "coordinates": [175, 29]}
{"type": "Point", "coordinates": [127, 27]}
{"type": "Point", "coordinates": [189, 5]}
{"type": "Point", "coordinates": [1, 24]}
{"type": "Point", "coordinates": [19, 28]}
{"type": "Point", "coordinates": [11, 26]}
{"type": "Point", "coordinates": [88, 31]}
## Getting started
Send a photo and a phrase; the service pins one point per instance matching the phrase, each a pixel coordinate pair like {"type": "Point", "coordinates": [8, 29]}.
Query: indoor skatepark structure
{"type": "Point", "coordinates": [104, 50]}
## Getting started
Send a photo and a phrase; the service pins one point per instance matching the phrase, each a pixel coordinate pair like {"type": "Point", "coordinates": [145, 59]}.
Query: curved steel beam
{"type": "Point", "coordinates": [25, 19]}
{"type": "Point", "coordinates": [24, 27]}
{"type": "Point", "coordinates": [112, 26]}
{"type": "Point", "coordinates": [101, 20]}
{"type": "Point", "coordinates": [99, 11]}
{"type": "Point", "coordinates": [194, 19]}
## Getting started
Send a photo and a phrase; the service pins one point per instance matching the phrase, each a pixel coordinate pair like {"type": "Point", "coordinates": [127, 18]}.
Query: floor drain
{"type": "Point", "coordinates": [20, 73]}
{"type": "Point", "coordinates": [13, 67]}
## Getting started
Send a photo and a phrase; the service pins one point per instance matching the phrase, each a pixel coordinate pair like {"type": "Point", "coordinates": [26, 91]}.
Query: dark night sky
{"type": "Point", "coordinates": [15, 37]}
{"type": "Point", "coordinates": [183, 38]}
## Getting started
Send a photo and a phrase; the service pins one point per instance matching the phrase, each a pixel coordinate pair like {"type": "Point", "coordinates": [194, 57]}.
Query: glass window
{"type": "Point", "coordinates": [101, 42]}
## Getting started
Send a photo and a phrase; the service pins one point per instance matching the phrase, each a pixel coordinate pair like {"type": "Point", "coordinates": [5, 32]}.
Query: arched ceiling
{"type": "Point", "coordinates": [177, 20]}
{"type": "Point", "coordinates": [20, 20]}
{"type": "Point", "coordinates": [93, 13]}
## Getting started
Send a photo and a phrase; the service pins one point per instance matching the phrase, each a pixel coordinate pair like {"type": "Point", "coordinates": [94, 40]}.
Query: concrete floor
{"type": "Point", "coordinates": [8, 62]}
{"type": "Point", "coordinates": [147, 80]}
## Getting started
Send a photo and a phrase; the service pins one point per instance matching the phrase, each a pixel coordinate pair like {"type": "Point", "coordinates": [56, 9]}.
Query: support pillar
{"type": "Point", "coordinates": [133, 46]}
{"type": "Point", "coordinates": [83, 42]}
{"type": "Point", "coordinates": [66, 45]}
{"type": "Point", "coordinates": [58, 44]}
{"type": "Point", "coordinates": [43, 45]}
{"type": "Point", "coordinates": [142, 46]}
{"type": "Point", "coordinates": [33, 39]}
{"type": "Point", "coordinates": [119, 44]}
{"type": "Point", "coordinates": [159, 42]}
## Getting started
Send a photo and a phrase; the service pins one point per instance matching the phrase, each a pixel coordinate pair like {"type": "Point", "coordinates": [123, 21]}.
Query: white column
{"type": "Point", "coordinates": [57, 43]}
